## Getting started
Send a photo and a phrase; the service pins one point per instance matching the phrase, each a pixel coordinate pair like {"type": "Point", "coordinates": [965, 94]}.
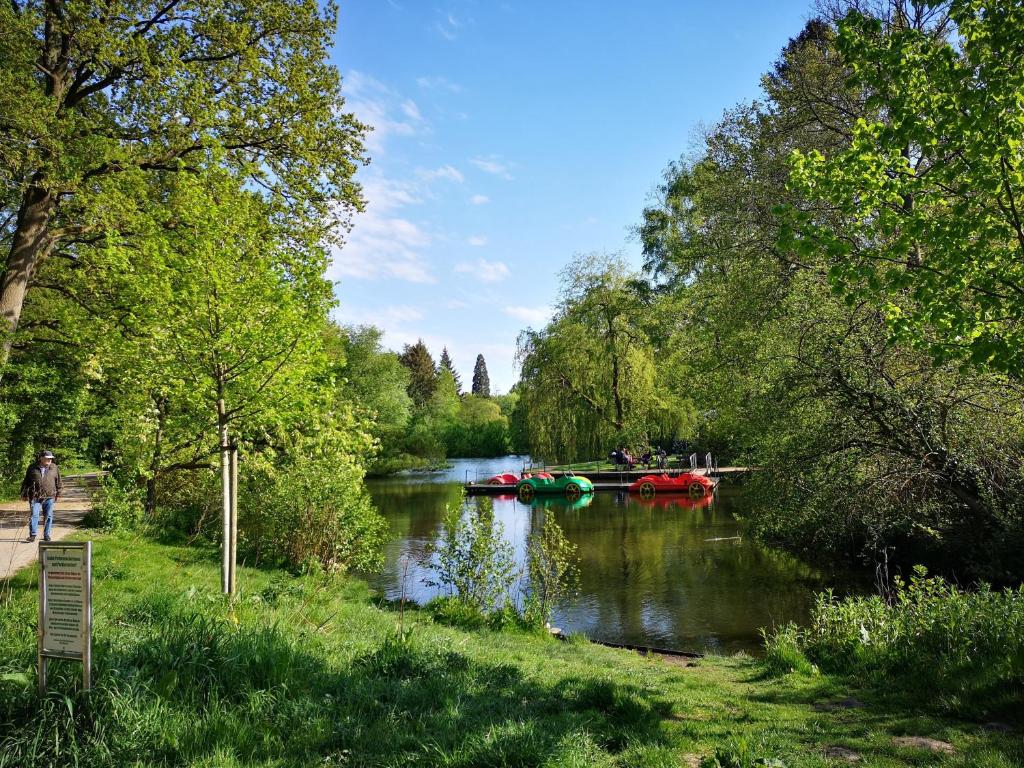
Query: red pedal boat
{"type": "Point", "coordinates": [694, 486]}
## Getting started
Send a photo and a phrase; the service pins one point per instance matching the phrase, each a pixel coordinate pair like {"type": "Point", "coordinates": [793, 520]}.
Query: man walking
{"type": "Point", "coordinates": [41, 489]}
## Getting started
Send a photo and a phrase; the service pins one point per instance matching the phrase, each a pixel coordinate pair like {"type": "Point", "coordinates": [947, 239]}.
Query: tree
{"type": "Point", "coordinates": [930, 191]}
{"type": "Point", "coordinates": [446, 365]}
{"type": "Point", "coordinates": [481, 381]}
{"type": "Point", "coordinates": [588, 378]}
{"type": "Point", "coordinates": [375, 382]}
{"type": "Point", "coordinates": [100, 101]}
{"type": "Point", "coordinates": [423, 376]}
{"type": "Point", "coordinates": [868, 447]}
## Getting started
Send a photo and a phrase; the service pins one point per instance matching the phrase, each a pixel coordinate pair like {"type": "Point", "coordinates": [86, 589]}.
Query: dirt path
{"type": "Point", "coordinates": [15, 552]}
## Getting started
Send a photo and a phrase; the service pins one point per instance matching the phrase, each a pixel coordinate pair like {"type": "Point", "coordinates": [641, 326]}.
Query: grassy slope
{"type": "Point", "coordinates": [304, 671]}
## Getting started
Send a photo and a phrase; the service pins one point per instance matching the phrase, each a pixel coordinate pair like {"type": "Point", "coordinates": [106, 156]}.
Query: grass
{"type": "Point", "coordinates": [303, 671]}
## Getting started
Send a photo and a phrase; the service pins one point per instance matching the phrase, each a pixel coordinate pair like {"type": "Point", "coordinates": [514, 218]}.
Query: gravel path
{"type": "Point", "coordinates": [15, 552]}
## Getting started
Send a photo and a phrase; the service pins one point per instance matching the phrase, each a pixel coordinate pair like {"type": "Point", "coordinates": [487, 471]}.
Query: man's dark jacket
{"type": "Point", "coordinates": [37, 486]}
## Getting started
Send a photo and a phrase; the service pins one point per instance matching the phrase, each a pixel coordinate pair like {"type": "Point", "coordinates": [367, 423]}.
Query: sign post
{"type": "Point", "coordinates": [65, 606]}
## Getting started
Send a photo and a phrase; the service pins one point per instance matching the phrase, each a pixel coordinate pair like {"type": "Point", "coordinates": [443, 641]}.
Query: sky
{"type": "Point", "coordinates": [510, 136]}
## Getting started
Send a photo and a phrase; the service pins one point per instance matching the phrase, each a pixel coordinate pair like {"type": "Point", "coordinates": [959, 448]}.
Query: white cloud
{"type": "Point", "coordinates": [438, 83]}
{"type": "Point", "coordinates": [444, 172]}
{"type": "Point", "coordinates": [478, 241]}
{"type": "Point", "coordinates": [386, 195]}
{"type": "Point", "coordinates": [380, 107]}
{"type": "Point", "coordinates": [479, 199]}
{"type": "Point", "coordinates": [494, 165]}
{"type": "Point", "coordinates": [485, 271]}
{"type": "Point", "coordinates": [383, 246]}
{"type": "Point", "coordinates": [448, 27]}
{"type": "Point", "coordinates": [411, 110]}
{"type": "Point", "coordinates": [535, 316]}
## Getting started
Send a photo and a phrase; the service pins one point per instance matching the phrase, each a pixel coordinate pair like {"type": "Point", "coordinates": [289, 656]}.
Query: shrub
{"type": "Point", "coordinates": [312, 512]}
{"type": "Point", "coordinates": [120, 507]}
{"type": "Point", "coordinates": [966, 646]}
{"type": "Point", "coordinates": [551, 561]}
{"type": "Point", "coordinates": [472, 559]}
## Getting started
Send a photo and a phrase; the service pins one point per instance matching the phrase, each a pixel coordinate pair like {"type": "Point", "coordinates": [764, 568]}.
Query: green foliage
{"type": "Point", "coordinates": [377, 383]}
{"type": "Point", "coordinates": [481, 381]}
{"type": "Point", "coordinates": [118, 506]}
{"type": "Point", "coordinates": [740, 753]}
{"type": "Point", "coordinates": [782, 651]}
{"type": "Point", "coordinates": [552, 566]}
{"type": "Point", "coordinates": [589, 380]}
{"type": "Point", "coordinates": [445, 364]}
{"type": "Point", "coordinates": [869, 447]}
{"type": "Point", "coordinates": [964, 648]}
{"type": "Point", "coordinates": [423, 378]}
{"type": "Point", "coordinates": [309, 507]}
{"type": "Point", "coordinates": [472, 560]}
{"type": "Point", "coordinates": [924, 206]}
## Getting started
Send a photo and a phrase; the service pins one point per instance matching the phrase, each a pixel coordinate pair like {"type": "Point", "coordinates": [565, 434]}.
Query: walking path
{"type": "Point", "coordinates": [15, 552]}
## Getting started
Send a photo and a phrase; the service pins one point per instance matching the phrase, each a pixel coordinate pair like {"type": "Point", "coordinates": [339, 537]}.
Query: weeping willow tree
{"type": "Point", "coordinates": [589, 380]}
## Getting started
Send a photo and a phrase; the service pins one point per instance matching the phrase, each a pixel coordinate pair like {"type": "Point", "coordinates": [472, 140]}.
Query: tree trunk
{"type": "Point", "coordinates": [616, 394]}
{"type": "Point", "coordinates": [154, 464]}
{"type": "Point", "coordinates": [29, 246]}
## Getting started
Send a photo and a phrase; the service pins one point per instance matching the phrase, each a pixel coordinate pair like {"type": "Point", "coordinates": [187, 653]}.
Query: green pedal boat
{"type": "Point", "coordinates": [569, 485]}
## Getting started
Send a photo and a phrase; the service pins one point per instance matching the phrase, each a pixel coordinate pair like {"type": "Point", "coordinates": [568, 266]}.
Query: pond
{"type": "Point", "coordinates": [665, 572]}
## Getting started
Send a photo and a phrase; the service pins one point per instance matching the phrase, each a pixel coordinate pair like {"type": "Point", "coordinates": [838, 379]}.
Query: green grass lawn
{"type": "Point", "coordinates": [310, 671]}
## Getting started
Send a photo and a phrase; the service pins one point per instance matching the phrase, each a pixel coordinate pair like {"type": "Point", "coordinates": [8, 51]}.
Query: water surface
{"type": "Point", "coordinates": [668, 572]}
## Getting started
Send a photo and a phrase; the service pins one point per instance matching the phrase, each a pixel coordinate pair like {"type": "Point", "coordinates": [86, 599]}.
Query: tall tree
{"type": "Point", "coordinates": [930, 190]}
{"type": "Point", "coordinates": [481, 381]}
{"type": "Point", "coordinates": [100, 99]}
{"type": "Point", "coordinates": [446, 365]}
{"type": "Point", "coordinates": [588, 378]}
{"type": "Point", "coordinates": [422, 372]}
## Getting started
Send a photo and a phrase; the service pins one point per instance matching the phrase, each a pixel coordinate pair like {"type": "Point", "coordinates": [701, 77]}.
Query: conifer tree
{"type": "Point", "coordinates": [422, 373]}
{"type": "Point", "coordinates": [447, 365]}
{"type": "Point", "coordinates": [481, 381]}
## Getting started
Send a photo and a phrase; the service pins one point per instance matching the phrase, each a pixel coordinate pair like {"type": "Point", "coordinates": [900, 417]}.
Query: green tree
{"type": "Point", "coordinates": [423, 376]}
{"type": "Point", "coordinates": [98, 101]}
{"type": "Point", "coordinates": [928, 192]}
{"type": "Point", "coordinates": [446, 365]}
{"type": "Point", "coordinates": [868, 447]}
{"type": "Point", "coordinates": [588, 380]}
{"type": "Point", "coordinates": [481, 381]}
{"type": "Point", "coordinates": [377, 383]}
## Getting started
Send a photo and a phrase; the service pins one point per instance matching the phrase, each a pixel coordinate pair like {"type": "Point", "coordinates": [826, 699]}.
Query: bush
{"type": "Point", "coordinates": [120, 507]}
{"type": "Point", "coordinates": [551, 561]}
{"type": "Point", "coordinates": [311, 512]}
{"type": "Point", "coordinates": [966, 646]}
{"type": "Point", "coordinates": [472, 560]}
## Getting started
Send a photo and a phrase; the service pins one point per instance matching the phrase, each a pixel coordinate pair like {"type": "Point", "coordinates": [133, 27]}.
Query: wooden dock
{"type": "Point", "coordinates": [601, 480]}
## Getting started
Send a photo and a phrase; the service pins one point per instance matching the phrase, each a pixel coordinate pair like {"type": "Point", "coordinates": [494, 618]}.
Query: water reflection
{"type": "Point", "coordinates": [669, 571]}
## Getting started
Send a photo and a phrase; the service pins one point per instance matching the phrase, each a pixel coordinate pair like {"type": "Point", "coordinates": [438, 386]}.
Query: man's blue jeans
{"type": "Point", "coordinates": [37, 508]}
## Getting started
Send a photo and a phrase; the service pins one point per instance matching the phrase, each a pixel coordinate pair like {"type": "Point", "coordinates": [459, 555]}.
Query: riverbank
{"type": "Point", "coordinates": [308, 670]}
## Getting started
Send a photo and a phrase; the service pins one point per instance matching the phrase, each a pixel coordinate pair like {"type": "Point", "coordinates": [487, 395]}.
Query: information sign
{"type": "Point", "coordinates": [65, 605]}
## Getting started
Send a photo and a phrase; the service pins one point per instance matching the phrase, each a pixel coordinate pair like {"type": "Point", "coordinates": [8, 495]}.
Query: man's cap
{"type": "Point", "coordinates": [46, 455]}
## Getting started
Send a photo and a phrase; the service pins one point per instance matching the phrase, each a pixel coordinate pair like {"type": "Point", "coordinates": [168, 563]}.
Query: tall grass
{"type": "Point", "coordinates": [963, 648]}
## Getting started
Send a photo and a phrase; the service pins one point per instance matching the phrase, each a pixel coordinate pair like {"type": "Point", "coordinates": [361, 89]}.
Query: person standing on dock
{"type": "Point", "coordinates": [41, 489]}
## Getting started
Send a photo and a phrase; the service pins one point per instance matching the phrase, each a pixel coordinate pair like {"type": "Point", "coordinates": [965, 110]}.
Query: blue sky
{"type": "Point", "coordinates": [510, 136]}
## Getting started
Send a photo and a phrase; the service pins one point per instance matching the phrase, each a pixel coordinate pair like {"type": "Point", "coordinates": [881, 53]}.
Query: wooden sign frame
{"type": "Point", "coordinates": [46, 604]}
